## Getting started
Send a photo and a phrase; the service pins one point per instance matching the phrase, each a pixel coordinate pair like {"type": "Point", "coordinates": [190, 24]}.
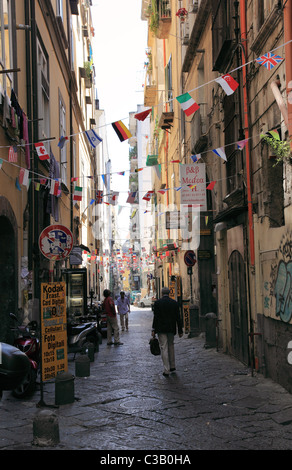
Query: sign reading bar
{"type": "Point", "coordinates": [53, 329]}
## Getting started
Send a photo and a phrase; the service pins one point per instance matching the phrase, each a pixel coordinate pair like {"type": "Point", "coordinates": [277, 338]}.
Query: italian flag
{"type": "Point", "coordinates": [189, 106]}
{"type": "Point", "coordinates": [77, 196]}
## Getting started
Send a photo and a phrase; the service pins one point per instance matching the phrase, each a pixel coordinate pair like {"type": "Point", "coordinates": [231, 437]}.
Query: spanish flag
{"type": "Point", "coordinates": [122, 132]}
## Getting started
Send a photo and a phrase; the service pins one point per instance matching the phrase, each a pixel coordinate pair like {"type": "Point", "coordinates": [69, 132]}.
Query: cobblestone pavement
{"type": "Point", "coordinates": [211, 402]}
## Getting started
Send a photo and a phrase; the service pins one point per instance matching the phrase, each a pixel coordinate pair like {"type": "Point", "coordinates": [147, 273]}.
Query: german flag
{"type": "Point", "coordinates": [122, 132]}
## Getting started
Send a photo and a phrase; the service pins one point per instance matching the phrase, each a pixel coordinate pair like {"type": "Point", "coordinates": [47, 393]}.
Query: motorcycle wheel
{"type": "Point", "coordinates": [27, 387]}
{"type": "Point", "coordinates": [93, 340]}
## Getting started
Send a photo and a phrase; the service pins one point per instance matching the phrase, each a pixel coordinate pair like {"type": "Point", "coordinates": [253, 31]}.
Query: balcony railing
{"type": "Point", "coordinates": [164, 15]}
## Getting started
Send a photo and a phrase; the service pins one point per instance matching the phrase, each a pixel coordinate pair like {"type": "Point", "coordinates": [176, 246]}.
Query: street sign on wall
{"type": "Point", "coordinates": [56, 242]}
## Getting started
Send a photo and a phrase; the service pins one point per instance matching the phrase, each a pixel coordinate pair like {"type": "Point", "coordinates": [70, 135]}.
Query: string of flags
{"type": "Point", "coordinates": [188, 105]}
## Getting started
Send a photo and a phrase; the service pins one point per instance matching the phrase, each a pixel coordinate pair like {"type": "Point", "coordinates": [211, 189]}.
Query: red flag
{"type": "Point", "coordinates": [41, 151]}
{"type": "Point", "coordinates": [211, 185]}
{"type": "Point", "coordinates": [148, 195]}
{"type": "Point", "coordinates": [143, 115]}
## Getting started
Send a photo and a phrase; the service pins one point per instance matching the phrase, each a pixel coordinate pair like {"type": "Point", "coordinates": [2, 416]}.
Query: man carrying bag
{"type": "Point", "coordinates": [166, 322]}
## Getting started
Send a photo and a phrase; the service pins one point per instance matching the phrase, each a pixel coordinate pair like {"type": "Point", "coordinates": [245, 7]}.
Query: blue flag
{"type": "Point", "coordinates": [93, 138]}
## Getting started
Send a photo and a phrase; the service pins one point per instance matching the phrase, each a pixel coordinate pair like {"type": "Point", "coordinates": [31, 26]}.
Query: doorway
{"type": "Point", "coordinates": [238, 307]}
{"type": "Point", "coordinates": [8, 276]}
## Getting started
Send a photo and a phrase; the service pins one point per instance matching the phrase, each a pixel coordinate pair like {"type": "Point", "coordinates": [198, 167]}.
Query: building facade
{"type": "Point", "coordinates": [243, 139]}
{"type": "Point", "coordinates": [47, 98]}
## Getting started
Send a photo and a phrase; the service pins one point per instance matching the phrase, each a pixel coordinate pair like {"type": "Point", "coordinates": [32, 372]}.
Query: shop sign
{"type": "Point", "coordinates": [193, 180]}
{"type": "Point", "coordinates": [56, 242]}
{"type": "Point", "coordinates": [53, 329]}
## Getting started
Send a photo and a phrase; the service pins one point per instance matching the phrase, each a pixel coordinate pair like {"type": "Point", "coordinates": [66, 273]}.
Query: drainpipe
{"type": "Point", "coordinates": [36, 255]}
{"type": "Point", "coordinates": [29, 117]}
{"type": "Point", "coordinates": [251, 260]}
{"type": "Point", "coordinates": [288, 62]}
{"type": "Point", "coordinates": [246, 127]}
{"type": "Point", "coordinates": [70, 111]}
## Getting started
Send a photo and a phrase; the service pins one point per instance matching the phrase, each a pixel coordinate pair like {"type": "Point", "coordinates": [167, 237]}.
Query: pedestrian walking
{"type": "Point", "coordinates": [123, 306]}
{"type": "Point", "coordinates": [111, 318]}
{"type": "Point", "coordinates": [166, 322]}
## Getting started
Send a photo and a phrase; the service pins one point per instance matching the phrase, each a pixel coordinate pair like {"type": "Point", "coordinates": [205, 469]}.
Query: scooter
{"type": "Point", "coordinates": [28, 343]}
{"type": "Point", "coordinates": [81, 334]}
{"type": "Point", "coordinates": [14, 366]}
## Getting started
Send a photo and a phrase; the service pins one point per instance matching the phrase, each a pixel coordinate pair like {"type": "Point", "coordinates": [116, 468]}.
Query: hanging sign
{"type": "Point", "coordinates": [53, 329]}
{"type": "Point", "coordinates": [56, 242]}
{"type": "Point", "coordinates": [193, 181]}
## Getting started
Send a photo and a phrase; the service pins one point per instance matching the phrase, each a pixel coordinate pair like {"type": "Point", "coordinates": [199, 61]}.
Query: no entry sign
{"type": "Point", "coordinates": [56, 242]}
{"type": "Point", "coordinates": [190, 258]}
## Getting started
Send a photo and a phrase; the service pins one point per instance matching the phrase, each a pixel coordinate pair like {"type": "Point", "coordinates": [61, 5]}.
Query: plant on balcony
{"type": "Point", "coordinates": [153, 16]}
{"type": "Point", "coordinates": [281, 148]}
{"type": "Point", "coordinates": [88, 71]}
{"type": "Point", "coordinates": [182, 14]}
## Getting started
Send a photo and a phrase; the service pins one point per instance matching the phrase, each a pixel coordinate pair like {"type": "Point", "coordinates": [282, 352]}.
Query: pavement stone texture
{"type": "Point", "coordinates": [211, 402]}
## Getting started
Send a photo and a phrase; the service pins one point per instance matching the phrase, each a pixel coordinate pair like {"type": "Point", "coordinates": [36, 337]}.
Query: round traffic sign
{"type": "Point", "coordinates": [190, 258]}
{"type": "Point", "coordinates": [56, 242]}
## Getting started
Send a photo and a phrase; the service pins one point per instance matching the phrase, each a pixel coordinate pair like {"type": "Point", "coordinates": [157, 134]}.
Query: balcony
{"type": "Point", "coordinates": [166, 120]}
{"type": "Point", "coordinates": [150, 94]}
{"type": "Point", "coordinates": [159, 16]}
{"type": "Point", "coordinates": [164, 16]}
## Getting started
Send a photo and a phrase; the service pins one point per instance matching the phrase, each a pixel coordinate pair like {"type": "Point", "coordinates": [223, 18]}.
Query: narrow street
{"type": "Point", "coordinates": [211, 402]}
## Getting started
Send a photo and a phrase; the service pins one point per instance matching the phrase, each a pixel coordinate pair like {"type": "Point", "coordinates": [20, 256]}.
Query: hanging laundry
{"type": "Point", "coordinates": [26, 139]}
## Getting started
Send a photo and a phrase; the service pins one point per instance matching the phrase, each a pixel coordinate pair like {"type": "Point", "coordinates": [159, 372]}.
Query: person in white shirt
{"type": "Point", "coordinates": [123, 306]}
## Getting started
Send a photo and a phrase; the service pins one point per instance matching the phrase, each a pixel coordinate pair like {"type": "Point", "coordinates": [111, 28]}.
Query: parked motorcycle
{"type": "Point", "coordinates": [28, 343]}
{"type": "Point", "coordinates": [14, 367]}
{"type": "Point", "coordinates": [82, 333]}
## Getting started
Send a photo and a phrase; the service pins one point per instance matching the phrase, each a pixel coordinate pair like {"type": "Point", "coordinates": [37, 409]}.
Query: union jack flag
{"type": "Point", "coordinates": [99, 196]}
{"type": "Point", "coordinates": [269, 60]}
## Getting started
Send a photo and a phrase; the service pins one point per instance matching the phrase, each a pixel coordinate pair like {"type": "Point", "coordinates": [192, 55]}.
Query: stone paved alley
{"type": "Point", "coordinates": [212, 402]}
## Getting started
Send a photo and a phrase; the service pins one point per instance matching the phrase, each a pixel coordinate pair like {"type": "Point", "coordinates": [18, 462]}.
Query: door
{"type": "Point", "coordinates": [8, 277]}
{"type": "Point", "coordinates": [238, 307]}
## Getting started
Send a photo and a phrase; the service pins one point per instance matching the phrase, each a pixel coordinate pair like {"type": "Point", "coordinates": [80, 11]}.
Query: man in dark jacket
{"type": "Point", "coordinates": [166, 322]}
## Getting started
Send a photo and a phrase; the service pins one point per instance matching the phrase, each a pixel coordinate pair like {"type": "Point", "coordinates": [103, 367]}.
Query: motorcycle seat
{"type": "Point", "coordinates": [77, 329]}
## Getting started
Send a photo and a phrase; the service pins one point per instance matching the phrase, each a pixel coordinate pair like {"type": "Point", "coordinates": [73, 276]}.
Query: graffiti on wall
{"type": "Point", "coordinates": [281, 282]}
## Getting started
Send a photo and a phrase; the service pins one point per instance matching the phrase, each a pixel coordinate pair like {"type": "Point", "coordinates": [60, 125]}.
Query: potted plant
{"type": "Point", "coordinates": [182, 14]}
{"type": "Point", "coordinates": [281, 148]}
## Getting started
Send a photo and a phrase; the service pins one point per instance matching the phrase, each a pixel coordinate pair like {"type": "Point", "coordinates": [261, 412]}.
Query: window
{"type": "Point", "coordinates": [63, 151]}
{"type": "Point", "coordinates": [5, 46]}
{"type": "Point", "coordinates": [222, 27]}
{"type": "Point", "coordinates": [43, 94]}
{"type": "Point", "coordinates": [168, 84]}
